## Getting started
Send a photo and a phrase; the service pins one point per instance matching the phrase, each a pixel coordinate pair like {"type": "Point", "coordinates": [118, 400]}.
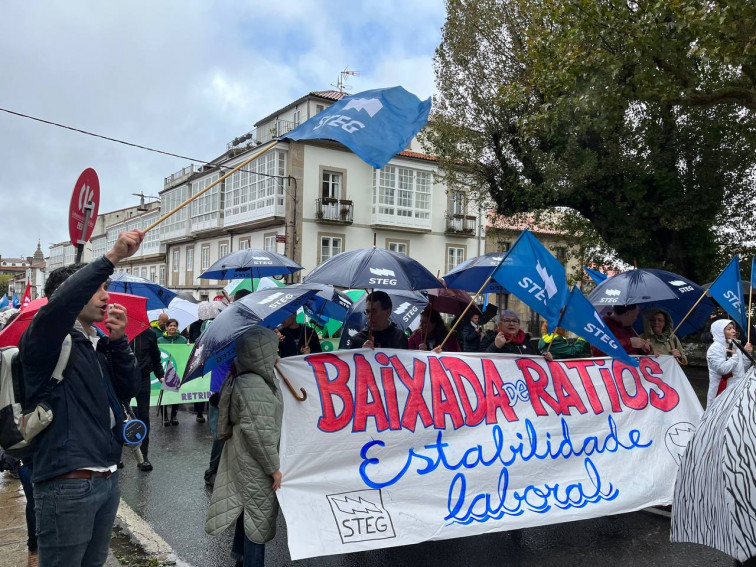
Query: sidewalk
{"type": "Point", "coordinates": [13, 550]}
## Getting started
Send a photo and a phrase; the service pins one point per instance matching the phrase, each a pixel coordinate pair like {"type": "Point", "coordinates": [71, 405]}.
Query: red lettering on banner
{"type": "Point", "coordinates": [389, 391]}
{"type": "Point", "coordinates": [564, 390]}
{"type": "Point", "coordinates": [640, 399]}
{"type": "Point", "coordinates": [611, 389]}
{"type": "Point", "coordinates": [459, 369]}
{"type": "Point", "coordinates": [582, 367]}
{"type": "Point", "coordinates": [496, 397]}
{"type": "Point", "coordinates": [367, 397]}
{"type": "Point", "coordinates": [536, 387]}
{"type": "Point", "coordinates": [415, 405]}
{"type": "Point", "coordinates": [669, 398]}
{"type": "Point", "coordinates": [444, 399]}
{"type": "Point", "coordinates": [329, 421]}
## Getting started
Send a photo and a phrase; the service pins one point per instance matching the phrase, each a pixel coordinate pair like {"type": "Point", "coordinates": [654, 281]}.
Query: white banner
{"type": "Point", "coordinates": [398, 447]}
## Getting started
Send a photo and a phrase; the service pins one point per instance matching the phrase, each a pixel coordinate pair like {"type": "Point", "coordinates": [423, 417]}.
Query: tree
{"type": "Point", "coordinates": [628, 115]}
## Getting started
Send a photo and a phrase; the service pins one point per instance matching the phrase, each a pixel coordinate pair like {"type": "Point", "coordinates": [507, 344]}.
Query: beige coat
{"type": "Point", "coordinates": [253, 410]}
{"type": "Point", "coordinates": [667, 341]}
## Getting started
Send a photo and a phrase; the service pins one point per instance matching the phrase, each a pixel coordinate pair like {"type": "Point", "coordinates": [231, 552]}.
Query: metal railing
{"type": "Point", "coordinates": [263, 135]}
{"type": "Point", "coordinates": [182, 173]}
{"type": "Point", "coordinates": [460, 224]}
{"type": "Point", "coordinates": [334, 210]}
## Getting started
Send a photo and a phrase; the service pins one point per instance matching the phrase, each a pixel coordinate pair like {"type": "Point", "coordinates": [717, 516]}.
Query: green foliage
{"type": "Point", "coordinates": [636, 117]}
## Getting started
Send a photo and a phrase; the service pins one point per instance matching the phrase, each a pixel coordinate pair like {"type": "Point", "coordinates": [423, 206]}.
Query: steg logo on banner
{"type": "Point", "coordinates": [360, 516]}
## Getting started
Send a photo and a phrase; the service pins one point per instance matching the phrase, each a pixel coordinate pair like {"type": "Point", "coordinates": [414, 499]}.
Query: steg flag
{"type": "Point", "coordinates": [728, 292]}
{"type": "Point", "coordinates": [532, 274]}
{"type": "Point", "coordinates": [376, 125]}
{"type": "Point", "coordinates": [581, 318]}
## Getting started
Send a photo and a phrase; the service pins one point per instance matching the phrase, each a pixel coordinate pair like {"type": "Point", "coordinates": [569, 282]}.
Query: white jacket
{"type": "Point", "coordinates": [720, 364]}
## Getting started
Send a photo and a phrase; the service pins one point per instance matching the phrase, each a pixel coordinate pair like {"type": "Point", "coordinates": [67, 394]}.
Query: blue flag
{"type": "Point", "coordinates": [16, 302]}
{"type": "Point", "coordinates": [529, 271]}
{"type": "Point", "coordinates": [728, 292]}
{"type": "Point", "coordinates": [596, 276]}
{"type": "Point", "coordinates": [581, 318]}
{"type": "Point", "coordinates": [376, 125]}
{"type": "Point", "coordinates": [4, 301]}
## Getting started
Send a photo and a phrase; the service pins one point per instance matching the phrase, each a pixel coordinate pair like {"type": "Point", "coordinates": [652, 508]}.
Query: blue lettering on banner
{"type": "Point", "coordinates": [529, 447]}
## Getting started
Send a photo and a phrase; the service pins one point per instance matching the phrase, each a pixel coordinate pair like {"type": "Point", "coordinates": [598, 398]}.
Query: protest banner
{"type": "Point", "coordinates": [176, 356]}
{"type": "Point", "coordinates": [398, 447]}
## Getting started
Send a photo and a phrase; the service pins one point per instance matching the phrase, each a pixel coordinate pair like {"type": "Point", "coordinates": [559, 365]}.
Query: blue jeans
{"type": "Point", "coordinates": [253, 553]}
{"type": "Point", "coordinates": [75, 520]}
{"type": "Point", "coordinates": [25, 474]}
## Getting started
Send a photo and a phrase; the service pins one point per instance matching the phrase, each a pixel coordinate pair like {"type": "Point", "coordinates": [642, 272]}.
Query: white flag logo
{"type": "Point", "coordinates": [370, 105]}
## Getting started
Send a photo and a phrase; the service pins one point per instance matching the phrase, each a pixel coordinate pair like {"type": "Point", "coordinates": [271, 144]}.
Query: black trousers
{"type": "Point", "coordinates": [143, 411]}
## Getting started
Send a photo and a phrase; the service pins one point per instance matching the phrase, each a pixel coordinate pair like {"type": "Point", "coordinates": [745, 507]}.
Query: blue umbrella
{"type": "Point", "coordinates": [655, 288]}
{"type": "Point", "coordinates": [406, 306]}
{"type": "Point", "coordinates": [373, 268]}
{"type": "Point", "coordinates": [327, 303]}
{"type": "Point", "coordinates": [268, 307]}
{"type": "Point", "coordinates": [250, 263]}
{"type": "Point", "coordinates": [158, 297]}
{"type": "Point", "coordinates": [471, 274]}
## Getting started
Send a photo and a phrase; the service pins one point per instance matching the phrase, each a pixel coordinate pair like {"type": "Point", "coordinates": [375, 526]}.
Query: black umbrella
{"type": "Point", "coordinates": [655, 288]}
{"type": "Point", "coordinates": [250, 263]}
{"type": "Point", "coordinates": [373, 268]}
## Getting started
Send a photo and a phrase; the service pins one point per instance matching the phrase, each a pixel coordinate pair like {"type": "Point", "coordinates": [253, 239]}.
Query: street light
{"type": "Point", "coordinates": [142, 206]}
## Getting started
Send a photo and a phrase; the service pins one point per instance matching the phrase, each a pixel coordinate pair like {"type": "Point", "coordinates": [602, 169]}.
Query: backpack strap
{"type": "Point", "coordinates": [65, 354]}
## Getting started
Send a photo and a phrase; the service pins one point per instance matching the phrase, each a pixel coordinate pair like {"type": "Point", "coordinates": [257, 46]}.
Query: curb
{"type": "Point", "coordinates": [140, 531]}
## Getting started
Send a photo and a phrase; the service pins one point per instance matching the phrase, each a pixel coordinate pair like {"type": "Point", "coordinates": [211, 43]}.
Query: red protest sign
{"type": "Point", "coordinates": [85, 199]}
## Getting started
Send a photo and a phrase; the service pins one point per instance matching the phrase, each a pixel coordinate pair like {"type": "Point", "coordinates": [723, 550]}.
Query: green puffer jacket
{"type": "Point", "coordinates": [253, 411]}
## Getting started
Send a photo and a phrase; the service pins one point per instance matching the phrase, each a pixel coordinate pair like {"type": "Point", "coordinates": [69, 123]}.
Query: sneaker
{"type": "Point", "coordinates": [145, 466]}
{"type": "Point", "coordinates": [200, 419]}
{"type": "Point", "coordinates": [174, 421]}
{"type": "Point", "coordinates": [120, 464]}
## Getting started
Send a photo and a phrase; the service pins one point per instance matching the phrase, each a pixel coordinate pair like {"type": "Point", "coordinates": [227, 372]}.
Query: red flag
{"type": "Point", "coordinates": [26, 299]}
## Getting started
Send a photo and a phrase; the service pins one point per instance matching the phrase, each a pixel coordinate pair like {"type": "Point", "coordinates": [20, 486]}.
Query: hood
{"type": "Point", "coordinates": [256, 351]}
{"type": "Point", "coordinates": [669, 325]}
{"type": "Point", "coordinates": [717, 331]}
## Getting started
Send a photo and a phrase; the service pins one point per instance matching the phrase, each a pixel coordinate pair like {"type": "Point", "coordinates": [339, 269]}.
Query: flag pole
{"type": "Point", "coordinates": [477, 293]}
{"type": "Point", "coordinates": [689, 311]}
{"type": "Point", "coordinates": [254, 156]}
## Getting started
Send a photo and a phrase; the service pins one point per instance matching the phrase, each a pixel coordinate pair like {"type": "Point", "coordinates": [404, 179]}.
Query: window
{"type": "Point", "coordinates": [457, 203]}
{"type": "Point", "coordinates": [205, 257]}
{"type": "Point", "coordinates": [297, 116]}
{"type": "Point", "coordinates": [243, 243]}
{"type": "Point", "coordinates": [270, 242]}
{"type": "Point", "coordinates": [331, 185]}
{"type": "Point", "coordinates": [319, 108]}
{"type": "Point", "coordinates": [169, 201]}
{"type": "Point", "coordinates": [246, 191]}
{"type": "Point", "coordinates": [560, 252]}
{"type": "Point", "coordinates": [222, 250]}
{"type": "Point", "coordinates": [144, 272]}
{"type": "Point", "coordinates": [153, 275]}
{"type": "Point", "coordinates": [403, 192]}
{"type": "Point", "coordinates": [454, 256]}
{"type": "Point", "coordinates": [175, 262]}
{"type": "Point", "coordinates": [330, 246]}
{"type": "Point", "coordinates": [399, 246]}
{"type": "Point", "coordinates": [190, 258]}
{"type": "Point", "coordinates": [162, 275]}
{"type": "Point", "coordinates": [207, 206]}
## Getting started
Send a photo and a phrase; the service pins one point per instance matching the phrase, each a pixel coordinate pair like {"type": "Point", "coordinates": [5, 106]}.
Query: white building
{"type": "Point", "coordinates": [311, 200]}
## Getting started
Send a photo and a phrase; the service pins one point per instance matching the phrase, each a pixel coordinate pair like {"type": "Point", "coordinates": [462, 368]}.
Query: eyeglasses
{"type": "Point", "coordinates": [509, 320]}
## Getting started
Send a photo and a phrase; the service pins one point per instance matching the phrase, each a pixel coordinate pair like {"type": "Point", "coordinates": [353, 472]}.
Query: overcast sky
{"type": "Point", "coordinates": [181, 76]}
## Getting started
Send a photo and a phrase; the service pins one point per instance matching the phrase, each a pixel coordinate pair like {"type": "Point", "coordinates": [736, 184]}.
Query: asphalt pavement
{"type": "Point", "coordinates": [173, 500]}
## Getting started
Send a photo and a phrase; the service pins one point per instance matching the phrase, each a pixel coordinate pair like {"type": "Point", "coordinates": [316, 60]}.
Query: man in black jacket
{"type": "Point", "coordinates": [295, 339]}
{"type": "Point", "coordinates": [381, 332]}
{"type": "Point", "coordinates": [147, 353]}
{"type": "Point", "coordinates": [76, 492]}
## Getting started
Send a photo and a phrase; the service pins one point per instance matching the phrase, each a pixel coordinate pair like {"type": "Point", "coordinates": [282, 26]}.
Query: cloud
{"type": "Point", "coordinates": [185, 77]}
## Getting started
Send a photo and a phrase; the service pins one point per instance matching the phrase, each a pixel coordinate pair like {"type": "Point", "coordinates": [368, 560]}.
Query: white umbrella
{"type": "Point", "coordinates": [185, 312]}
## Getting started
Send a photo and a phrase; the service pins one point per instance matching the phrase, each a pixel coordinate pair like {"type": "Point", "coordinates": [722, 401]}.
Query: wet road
{"type": "Point", "coordinates": [174, 500]}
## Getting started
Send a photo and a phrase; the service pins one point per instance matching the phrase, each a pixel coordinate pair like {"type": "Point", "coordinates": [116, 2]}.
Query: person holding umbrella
{"type": "Point", "coordinates": [431, 333]}
{"type": "Point", "coordinates": [171, 337]}
{"type": "Point", "coordinates": [727, 363]}
{"type": "Point", "coordinates": [380, 332]}
{"type": "Point", "coordinates": [294, 339]}
{"type": "Point", "coordinates": [620, 322]}
{"type": "Point", "coordinates": [472, 331]}
{"type": "Point", "coordinates": [657, 330]}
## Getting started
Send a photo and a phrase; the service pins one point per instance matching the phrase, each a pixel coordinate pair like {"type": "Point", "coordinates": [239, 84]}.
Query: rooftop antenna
{"type": "Point", "coordinates": [142, 207]}
{"type": "Point", "coordinates": [341, 81]}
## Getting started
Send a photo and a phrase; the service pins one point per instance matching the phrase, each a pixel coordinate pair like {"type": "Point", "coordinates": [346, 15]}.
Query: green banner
{"type": "Point", "coordinates": [174, 359]}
